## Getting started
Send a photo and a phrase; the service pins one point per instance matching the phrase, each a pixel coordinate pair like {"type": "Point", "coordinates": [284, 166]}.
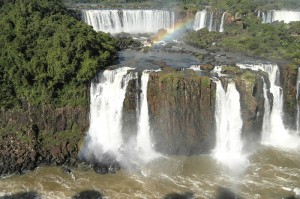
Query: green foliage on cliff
{"type": "Point", "coordinates": [46, 55]}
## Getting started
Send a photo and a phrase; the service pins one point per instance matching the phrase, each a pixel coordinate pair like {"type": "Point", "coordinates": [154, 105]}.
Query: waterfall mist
{"type": "Point", "coordinates": [229, 124]}
{"type": "Point", "coordinates": [105, 136]}
{"type": "Point", "coordinates": [274, 132]}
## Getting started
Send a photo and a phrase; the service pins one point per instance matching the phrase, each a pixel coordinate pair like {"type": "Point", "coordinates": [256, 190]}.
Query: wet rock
{"type": "Point", "coordinates": [181, 112]}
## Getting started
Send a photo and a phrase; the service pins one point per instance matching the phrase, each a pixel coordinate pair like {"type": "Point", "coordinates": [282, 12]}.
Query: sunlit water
{"type": "Point", "coordinates": [270, 174]}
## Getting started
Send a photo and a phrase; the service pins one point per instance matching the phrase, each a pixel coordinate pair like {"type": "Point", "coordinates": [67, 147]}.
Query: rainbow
{"type": "Point", "coordinates": [179, 26]}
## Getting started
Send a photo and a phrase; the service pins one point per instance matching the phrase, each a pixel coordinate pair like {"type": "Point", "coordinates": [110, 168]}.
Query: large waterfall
{"type": "Point", "coordinates": [229, 124]}
{"type": "Point", "coordinates": [275, 133]}
{"type": "Point", "coordinates": [107, 96]}
{"type": "Point", "coordinates": [105, 134]}
{"type": "Point", "coordinates": [280, 15]}
{"type": "Point", "coordinates": [130, 21]}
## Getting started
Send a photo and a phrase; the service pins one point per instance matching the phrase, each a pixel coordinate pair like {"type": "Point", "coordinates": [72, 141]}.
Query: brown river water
{"type": "Point", "coordinates": [271, 173]}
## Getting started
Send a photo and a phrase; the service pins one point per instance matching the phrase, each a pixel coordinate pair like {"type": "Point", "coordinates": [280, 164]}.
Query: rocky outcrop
{"type": "Point", "coordinates": [130, 109]}
{"type": "Point", "coordinates": [181, 110]}
{"type": "Point", "coordinates": [250, 86]}
{"type": "Point", "coordinates": [44, 135]}
{"type": "Point", "coordinates": [289, 74]}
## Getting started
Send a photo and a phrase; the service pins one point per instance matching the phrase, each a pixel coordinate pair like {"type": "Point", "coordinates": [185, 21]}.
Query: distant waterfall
{"type": "Point", "coordinates": [229, 124]}
{"type": "Point", "coordinates": [107, 96]}
{"type": "Point", "coordinates": [200, 20]}
{"type": "Point", "coordinates": [130, 21]}
{"type": "Point", "coordinates": [280, 15]}
{"type": "Point", "coordinates": [297, 100]}
{"type": "Point", "coordinates": [222, 22]}
{"type": "Point", "coordinates": [276, 135]}
{"type": "Point", "coordinates": [208, 19]}
{"type": "Point", "coordinates": [144, 144]}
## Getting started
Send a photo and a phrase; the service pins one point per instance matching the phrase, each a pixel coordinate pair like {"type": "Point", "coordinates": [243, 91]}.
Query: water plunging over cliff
{"type": "Point", "coordinates": [107, 96]}
{"type": "Point", "coordinates": [144, 144]}
{"type": "Point", "coordinates": [222, 22]}
{"type": "Point", "coordinates": [207, 19]}
{"type": "Point", "coordinates": [280, 15]}
{"type": "Point", "coordinates": [229, 124]}
{"type": "Point", "coordinates": [275, 133]}
{"type": "Point", "coordinates": [130, 21]}
{"type": "Point", "coordinates": [297, 101]}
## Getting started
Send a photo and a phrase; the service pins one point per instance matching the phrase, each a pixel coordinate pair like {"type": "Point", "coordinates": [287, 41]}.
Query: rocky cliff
{"type": "Point", "coordinates": [288, 82]}
{"type": "Point", "coordinates": [250, 86]}
{"type": "Point", "coordinates": [44, 135]}
{"type": "Point", "coordinates": [181, 110]}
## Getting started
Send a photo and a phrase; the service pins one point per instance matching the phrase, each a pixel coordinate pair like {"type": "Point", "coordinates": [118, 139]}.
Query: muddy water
{"type": "Point", "coordinates": [271, 174]}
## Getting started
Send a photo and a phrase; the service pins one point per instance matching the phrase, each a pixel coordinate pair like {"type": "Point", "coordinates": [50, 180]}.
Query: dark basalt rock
{"type": "Point", "coordinates": [181, 111]}
{"type": "Point", "coordinates": [37, 136]}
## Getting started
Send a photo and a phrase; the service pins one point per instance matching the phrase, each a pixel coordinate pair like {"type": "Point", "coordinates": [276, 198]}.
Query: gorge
{"type": "Point", "coordinates": [165, 120]}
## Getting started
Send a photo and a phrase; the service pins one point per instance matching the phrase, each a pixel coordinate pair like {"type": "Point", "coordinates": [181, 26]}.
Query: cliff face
{"type": "Point", "coordinates": [181, 111]}
{"type": "Point", "coordinates": [288, 82]}
{"type": "Point", "coordinates": [40, 135]}
{"type": "Point", "coordinates": [250, 86]}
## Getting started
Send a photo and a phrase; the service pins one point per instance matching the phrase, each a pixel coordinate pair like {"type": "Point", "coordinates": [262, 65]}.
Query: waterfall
{"type": "Point", "coordinates": [107, 95]}
{"type": "Point", "coordinates": [277, 135]}
{"type": "Point", "coordinates": [222, 22]}
{"type": "Point", "coordinates": [280, 15]}
{"type": "Point", "coordinates": [266, 119]}
{"type": "Point", "coordinates": [297, 100]}
{"type": "Point", "coordinates": [229, 124]}
{"type": "Point", "coordinates": [144, 144]}
{"type": "Point", "coordinates": [130, 21]}
{"type": "Point", "coordinates": [211, 21]}
{"type": "Point", "coordinates": [200, 20]}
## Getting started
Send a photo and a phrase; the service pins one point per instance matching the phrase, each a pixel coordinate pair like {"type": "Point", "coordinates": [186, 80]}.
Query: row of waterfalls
{"type": "Point", "coordinates": [108, 92]}
{"type": "Point", "coordinates": [150, 21]}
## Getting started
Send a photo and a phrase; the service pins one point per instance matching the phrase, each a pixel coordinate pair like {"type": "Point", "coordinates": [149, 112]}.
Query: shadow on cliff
{"type": "Point", "coordinates": [22, 195]}
{"type": "Point", "coordinates": [88, 194]}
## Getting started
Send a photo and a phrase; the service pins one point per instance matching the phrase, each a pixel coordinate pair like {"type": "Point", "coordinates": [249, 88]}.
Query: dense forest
{"type": "Point", "coordinates": [47, 56]}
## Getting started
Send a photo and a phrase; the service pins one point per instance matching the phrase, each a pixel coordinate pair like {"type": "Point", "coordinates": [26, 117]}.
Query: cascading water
{"type": "Point", "coordinates": [222, 22]}
{"type": "Point", "coordinates": [276, 134]}
{"type": "Point", "coordinates": [144, 144]}
{"type": "Point", "coordinates": [211, 22]}
{"type": "Point", "coordinates": [297, 100]}
{"type": "Point", "coordinates": [266, 119]}
{"type": "Point", "coordinates": [106, 106]}
{"type": "Point", "coordinates": [200, 20]}
{"type": "Point", "coordinates": [280, 15]}
{"type": "Point", "coordinates": [130, 21]}
{"type": "Point", "coordinates": [229, 124]}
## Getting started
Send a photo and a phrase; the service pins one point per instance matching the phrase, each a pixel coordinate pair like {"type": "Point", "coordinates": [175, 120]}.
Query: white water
{"type": "Point", "coordinates": [229, 124]}
{"type": "Point", "coordinates": [280, 15]}
{"type": "Point", "coordinates": [106, 106]}
{"type": "Point", "coordinates": [266, 119]}
{"type": "Point", "coordinates": [144, 144]}
{"type": "Point", "coordinates": [130, 21]}
{"type": "Point", "coordinates": [276, 134]}
{"type": "Point", "coordinates": [200, 20]}
{"type": "Point", "coordinates": [222, 22]}
{"type": "Point", "coordinates": [297, 100]}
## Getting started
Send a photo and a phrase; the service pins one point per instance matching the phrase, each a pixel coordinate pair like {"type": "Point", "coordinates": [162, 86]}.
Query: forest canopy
{"type": "Point", "coordinates": [47, 56]}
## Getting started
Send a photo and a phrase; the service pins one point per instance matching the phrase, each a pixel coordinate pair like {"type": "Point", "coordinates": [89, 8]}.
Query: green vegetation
{"type": "Point", "coordinates": [46, 55]}
{"type": "Point", "coordinates": [231, 70]}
